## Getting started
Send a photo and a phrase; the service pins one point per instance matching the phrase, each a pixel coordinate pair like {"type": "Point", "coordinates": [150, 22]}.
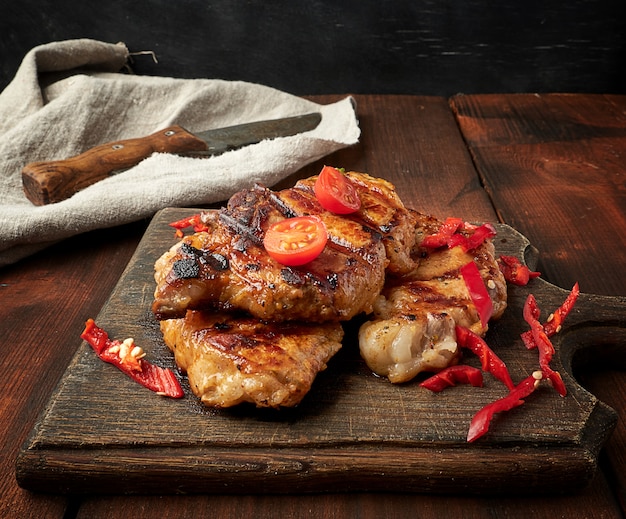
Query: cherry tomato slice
{"type": "Point", "coordinates": [335, 192]}
{"type": "Point", "coordinates": [296, 241]}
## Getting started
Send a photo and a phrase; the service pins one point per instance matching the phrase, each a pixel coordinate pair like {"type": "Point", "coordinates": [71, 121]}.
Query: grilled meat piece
{"type": "Point", "coordinates": [412, 329]}
{"type": "Point", "coordinates": [227, 268]}
{"type": "Point", "coordinates": [381, 209]}
{"type": "Point", "coordinates": [230, 360]}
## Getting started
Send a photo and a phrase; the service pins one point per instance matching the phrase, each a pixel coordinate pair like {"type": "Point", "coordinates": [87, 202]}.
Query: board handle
{"type": "Point", "coordinates": [47, 182]}
{"type": "Point", "coordinates": [595, 333]}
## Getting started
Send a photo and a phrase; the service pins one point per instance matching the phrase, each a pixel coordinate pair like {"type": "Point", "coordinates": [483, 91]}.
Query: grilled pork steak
{"type": "Point", "coordinates": [230, 360]}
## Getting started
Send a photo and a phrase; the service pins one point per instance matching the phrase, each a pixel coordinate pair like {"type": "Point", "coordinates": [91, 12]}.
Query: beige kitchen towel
{"type": "Point", "coordinates": [69, 96]}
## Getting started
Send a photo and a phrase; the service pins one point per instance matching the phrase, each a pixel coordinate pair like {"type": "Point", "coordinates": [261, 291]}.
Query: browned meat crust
{"type": "Point", "coordinates": [227, 268]}
{"type": "Point", "coordinates": [230, 360]}
{"type": "Point", "coordinates": [373, 264]}
{"type": "Point", "coordinates": [382, 210]}
{"type": "Point", "coordinates": [412, 328]}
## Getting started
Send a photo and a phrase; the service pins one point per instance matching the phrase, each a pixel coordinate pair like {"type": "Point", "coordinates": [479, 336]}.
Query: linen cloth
{"type": "Point", "coordinates": [69, 96]}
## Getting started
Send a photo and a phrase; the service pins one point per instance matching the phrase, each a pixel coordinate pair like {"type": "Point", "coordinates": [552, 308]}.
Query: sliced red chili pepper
{"type": "Point", "coordinates": [543, 344]}
{"type": "Point", "coordinates": [477, 291]}
{"type": "Point", "coordinates": [125, 358]}
{"type": "Point", "coordinates": [489, 361]}
{"type": "Point", "coordinates": [445, 232]}
{"type": "Point", "coordinates": [474, 240]}
{"type": "Point", "coordinates": [448, 235]}
{"type": "Point", "coordinates": [515, 272]}
{"type": "Point", "coordinates": [482, 419]}
{"type": "Point", "coordinates": [555, 320]}
{"type": "Point", "coordinates": [194, 221]}
{"type": "Point", "coordinates": [453, 375]}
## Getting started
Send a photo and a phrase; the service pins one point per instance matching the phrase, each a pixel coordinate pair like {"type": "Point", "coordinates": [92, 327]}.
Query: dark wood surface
{"type": "Point", "coordinates": [416, 143]}
{"type": "Point", "coordinates": [356, 432]}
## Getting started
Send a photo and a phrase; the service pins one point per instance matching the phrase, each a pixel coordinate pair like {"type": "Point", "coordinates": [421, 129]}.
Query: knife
{"type": "Point", "coordinates": [47, 182]}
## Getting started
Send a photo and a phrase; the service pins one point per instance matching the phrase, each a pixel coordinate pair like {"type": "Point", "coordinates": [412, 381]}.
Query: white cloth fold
{"type": "Point", "coordinates": [69, 96]}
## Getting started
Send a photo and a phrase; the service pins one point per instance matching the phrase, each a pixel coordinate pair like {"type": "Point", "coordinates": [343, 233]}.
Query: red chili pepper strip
{"type": "Point", "coordinates": [477, 291]}
{"type": "Point", "coordinates": [515, 272]}
{"type": "Point", "coordinates": [490, 362]}
{"type": "Point", "coordinates": [130, 361]}
{"type": "Point", "coordinates": [474, 240]}
{"type": "Point", "coordinates": [543, 344]}
{"type": "Point", "coordinates": [448, 235]}
{"type": "Point", "coordinates": [555, 321]}
{"type": "Point", "coordinates": [445, 232]}
{"type": "Point", "coordinates": [531, 314]}
{"type": "Point", "coordinates": [194, 221]}
{"type": "Point", "coordinates": [482, 419]}
{"type": "Point", "coordinates": [558, 316]}
{"type": "Point", "coordinates": [453, 375]}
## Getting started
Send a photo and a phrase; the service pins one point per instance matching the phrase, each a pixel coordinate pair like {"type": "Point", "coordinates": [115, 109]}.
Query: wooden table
{"type": "Point", "coordinates": [551, 166]}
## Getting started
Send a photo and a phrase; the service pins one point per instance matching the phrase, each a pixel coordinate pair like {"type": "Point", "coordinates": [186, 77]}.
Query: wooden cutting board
{"type": "Point", "coordinates": [102, 433]}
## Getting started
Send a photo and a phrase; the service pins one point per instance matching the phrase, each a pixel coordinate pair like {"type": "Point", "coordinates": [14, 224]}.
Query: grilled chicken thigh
{"type": "Point", "coordinates": [230, 360]}
{"type": "Point", "coordinates": [382, 210]}
{"type": "Point", "coordinates": [234, 317]}
{"type": "Point", "coordinates": [227, 267]}
{"type": "Point", "coordinates": [413, 325]}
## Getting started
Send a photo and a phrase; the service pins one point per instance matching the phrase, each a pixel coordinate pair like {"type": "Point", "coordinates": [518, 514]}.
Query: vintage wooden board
{"type": "Point", "coordinates": [102, 433]}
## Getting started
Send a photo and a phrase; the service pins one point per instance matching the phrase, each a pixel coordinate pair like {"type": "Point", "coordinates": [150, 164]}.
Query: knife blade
{"type": "Point", "coordinates": [47, 182]}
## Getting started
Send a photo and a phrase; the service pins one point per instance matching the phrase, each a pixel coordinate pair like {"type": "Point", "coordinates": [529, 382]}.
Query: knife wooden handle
{"type": "Point", "coordinates": [48, 182]}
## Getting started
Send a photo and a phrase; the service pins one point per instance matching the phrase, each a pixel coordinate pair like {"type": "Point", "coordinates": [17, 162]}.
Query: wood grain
{"type": "Point", "coordinates": [565, 181]}
{"type": "Point", "coordinates": [553, 167]}
{"type": "Point", "coordinates": [353, 432]}
{"type": "Point", "coordinates": [46, 298]}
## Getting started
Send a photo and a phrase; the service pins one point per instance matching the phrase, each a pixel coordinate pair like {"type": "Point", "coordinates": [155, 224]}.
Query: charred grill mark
{"type": "Point", "coordinates": [375, 234]}
{"type": "Point", "coordinates": [248, 351]}
{"type": "Point", "coordinates": [189, 250]}
{"type": "Point", "coordinates": [227, 343]}
{"type": "Point", "coordinates": [186, 268]}
{"type": "Point", "coordinates": [300, 278]}
{"type": "Point", "coordinates": [241, 228]}
{"type": "Point", "coordinates": [194, 261]}
{"type": "Point", "coordinates": [216, 261]}
{"type": "Point", "coordinates": [302, 202]}
{"type": "Point", "coordinates": [341, 245]}
{"type": "Point", "coordinates": [293, 277]}
{"type": "Point", "coordinates": [279, 204]}
{"type": "Point", "coordinates": [450, 274]}
{"type": "Point", "coordinates": [428, 295]}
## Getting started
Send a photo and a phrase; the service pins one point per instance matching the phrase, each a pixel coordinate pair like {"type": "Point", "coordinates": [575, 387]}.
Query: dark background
{"type": "Point", "coordinates": [316, 47]}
